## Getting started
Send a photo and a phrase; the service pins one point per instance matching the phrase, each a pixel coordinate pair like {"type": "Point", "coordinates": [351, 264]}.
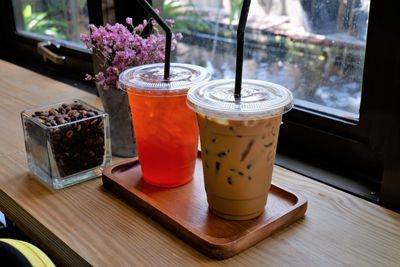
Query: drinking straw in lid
{"type": "Point", "coordinates": [240, 47]}
{"type": "Point", "coordinates": [168, 35]}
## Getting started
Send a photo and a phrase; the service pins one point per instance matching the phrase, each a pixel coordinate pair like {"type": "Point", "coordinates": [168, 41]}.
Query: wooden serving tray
{"type": "Point", "coordinates": [184, 211]}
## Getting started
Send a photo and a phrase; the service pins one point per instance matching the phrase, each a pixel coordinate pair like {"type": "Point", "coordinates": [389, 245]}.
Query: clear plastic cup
{"type": "Point", "coordinates": [165, 128]}
{"type": "Point", "coordinates": [238, 143]}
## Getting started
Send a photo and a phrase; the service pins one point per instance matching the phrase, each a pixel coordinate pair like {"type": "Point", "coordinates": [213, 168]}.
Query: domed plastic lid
{"type": "Point", "coordinates": [151, 77]}
{"type": "Point", "coordinates": [259, 99]}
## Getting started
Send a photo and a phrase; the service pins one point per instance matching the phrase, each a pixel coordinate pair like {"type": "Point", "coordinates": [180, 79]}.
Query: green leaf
{"type": "Point", "coordinates": [27, 11]}
{"type": "Point", "coordinates": [37, 17]}
{"type": "Point", "coordinates": [185, 15]}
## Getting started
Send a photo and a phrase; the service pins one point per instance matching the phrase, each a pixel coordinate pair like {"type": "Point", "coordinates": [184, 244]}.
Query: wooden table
{"type": "Point", "coordinates": [87, 225]}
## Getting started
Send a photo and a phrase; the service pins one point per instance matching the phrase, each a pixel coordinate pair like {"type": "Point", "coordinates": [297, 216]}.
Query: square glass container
{"type": "Point", "coordinates": [66, 143]}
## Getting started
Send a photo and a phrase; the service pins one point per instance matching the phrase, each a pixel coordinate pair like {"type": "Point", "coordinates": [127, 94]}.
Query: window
{"type": "Point", "coordinates": [31, 22]}
{"type": "Point", "coordinates": [58, 20]}
{"type": "Point", "coordinates": [338, 58]}
{"type": "Point", "coordinates": [321, 51]}
{"type": "Point", "coordinates": [314, 48]}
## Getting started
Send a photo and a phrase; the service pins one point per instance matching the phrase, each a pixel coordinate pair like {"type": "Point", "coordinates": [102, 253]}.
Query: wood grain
{"type": "Point", "coordinates": [184, 211]}
{"type": "Point", "coordinates": [87, 225]}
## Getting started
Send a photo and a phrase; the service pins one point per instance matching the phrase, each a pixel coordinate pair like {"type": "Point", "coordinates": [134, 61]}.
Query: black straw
{"type": "Point", "coordinates": [168, 35]}
{"type": "Point", "coordinates": [240, 47]}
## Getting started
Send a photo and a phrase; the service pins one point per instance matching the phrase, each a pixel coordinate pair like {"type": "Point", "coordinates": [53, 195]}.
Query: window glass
{"type": "Point", "coordinates": [54, 19]}
{"type": "Point", "coordinates": [315, 48]}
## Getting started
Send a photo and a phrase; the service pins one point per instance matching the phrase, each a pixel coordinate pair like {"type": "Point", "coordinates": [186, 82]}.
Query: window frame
{"type": "Point", "coordinates": [360, 148]}
{"type": "Point", "coordinates": [355, 149]}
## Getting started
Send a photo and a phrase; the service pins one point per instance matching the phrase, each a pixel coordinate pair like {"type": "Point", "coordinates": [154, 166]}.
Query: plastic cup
{"type": "Point", "coordinates": [238, 143]}
{"type": "Point", "coordinates": [165, 128]}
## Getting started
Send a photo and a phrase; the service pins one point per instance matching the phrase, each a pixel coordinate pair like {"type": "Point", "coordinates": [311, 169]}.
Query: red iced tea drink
{"type": "Point", "coordinates": [166, 136]}
{"type": "Point", "coordinates": [165, 128]}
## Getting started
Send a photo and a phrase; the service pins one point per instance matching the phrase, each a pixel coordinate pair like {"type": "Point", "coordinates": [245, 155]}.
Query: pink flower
{"type": "Point", "coordinates": [178, 36]}
{"type": "Point", "coordinates": [170, 21]}
{"type": "Point", "coordinates": [122, 48]}
{"type": "Point", "coordinates": [88, 77]}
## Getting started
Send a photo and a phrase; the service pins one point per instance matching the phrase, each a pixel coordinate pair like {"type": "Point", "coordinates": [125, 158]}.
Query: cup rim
{"type": "Point", "coordinates": [277, 100]}
{"type": "Point", "coordinates": [130, 79]}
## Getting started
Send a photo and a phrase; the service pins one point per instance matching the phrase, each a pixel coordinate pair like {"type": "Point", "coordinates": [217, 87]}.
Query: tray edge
{"type": "Point", "coordinates": [186, 233]}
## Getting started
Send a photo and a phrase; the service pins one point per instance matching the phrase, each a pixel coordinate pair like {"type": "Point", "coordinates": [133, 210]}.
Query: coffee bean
{"type": "Point", "coordinates": [50, 118]}
{"type": "Point", "coordinates": [53, 112]}
{"type": "Point", "coordinates": [69, 134]}
{"type": "Point", "coordinates": [100, 140]}
{"type": "Point", "coordinates": [58, 119]}
{"type": "Point", "coordinates": [56, 137]}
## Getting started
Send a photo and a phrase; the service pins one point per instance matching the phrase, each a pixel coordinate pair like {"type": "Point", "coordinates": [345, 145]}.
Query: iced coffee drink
{"type": "Point", "coordinates": [238, 142]}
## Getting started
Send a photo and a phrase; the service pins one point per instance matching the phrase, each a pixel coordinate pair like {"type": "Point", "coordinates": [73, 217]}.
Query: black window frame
{"type": "Point", "coordinates": [367, 150]}
{"type": "Point", "coordinates": [363, 150]}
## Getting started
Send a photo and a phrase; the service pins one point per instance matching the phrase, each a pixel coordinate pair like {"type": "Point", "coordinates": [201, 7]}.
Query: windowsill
{"type": "Point", "coordinates": [368, 191]}
{"type": "Point", "coordinates": [362, 189]}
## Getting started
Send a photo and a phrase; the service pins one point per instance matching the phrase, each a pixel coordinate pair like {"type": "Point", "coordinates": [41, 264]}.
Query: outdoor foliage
{"type": "Point", "coordinates": [38, 22]}
{"type": "Point", "coordinates": [184, 14]}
